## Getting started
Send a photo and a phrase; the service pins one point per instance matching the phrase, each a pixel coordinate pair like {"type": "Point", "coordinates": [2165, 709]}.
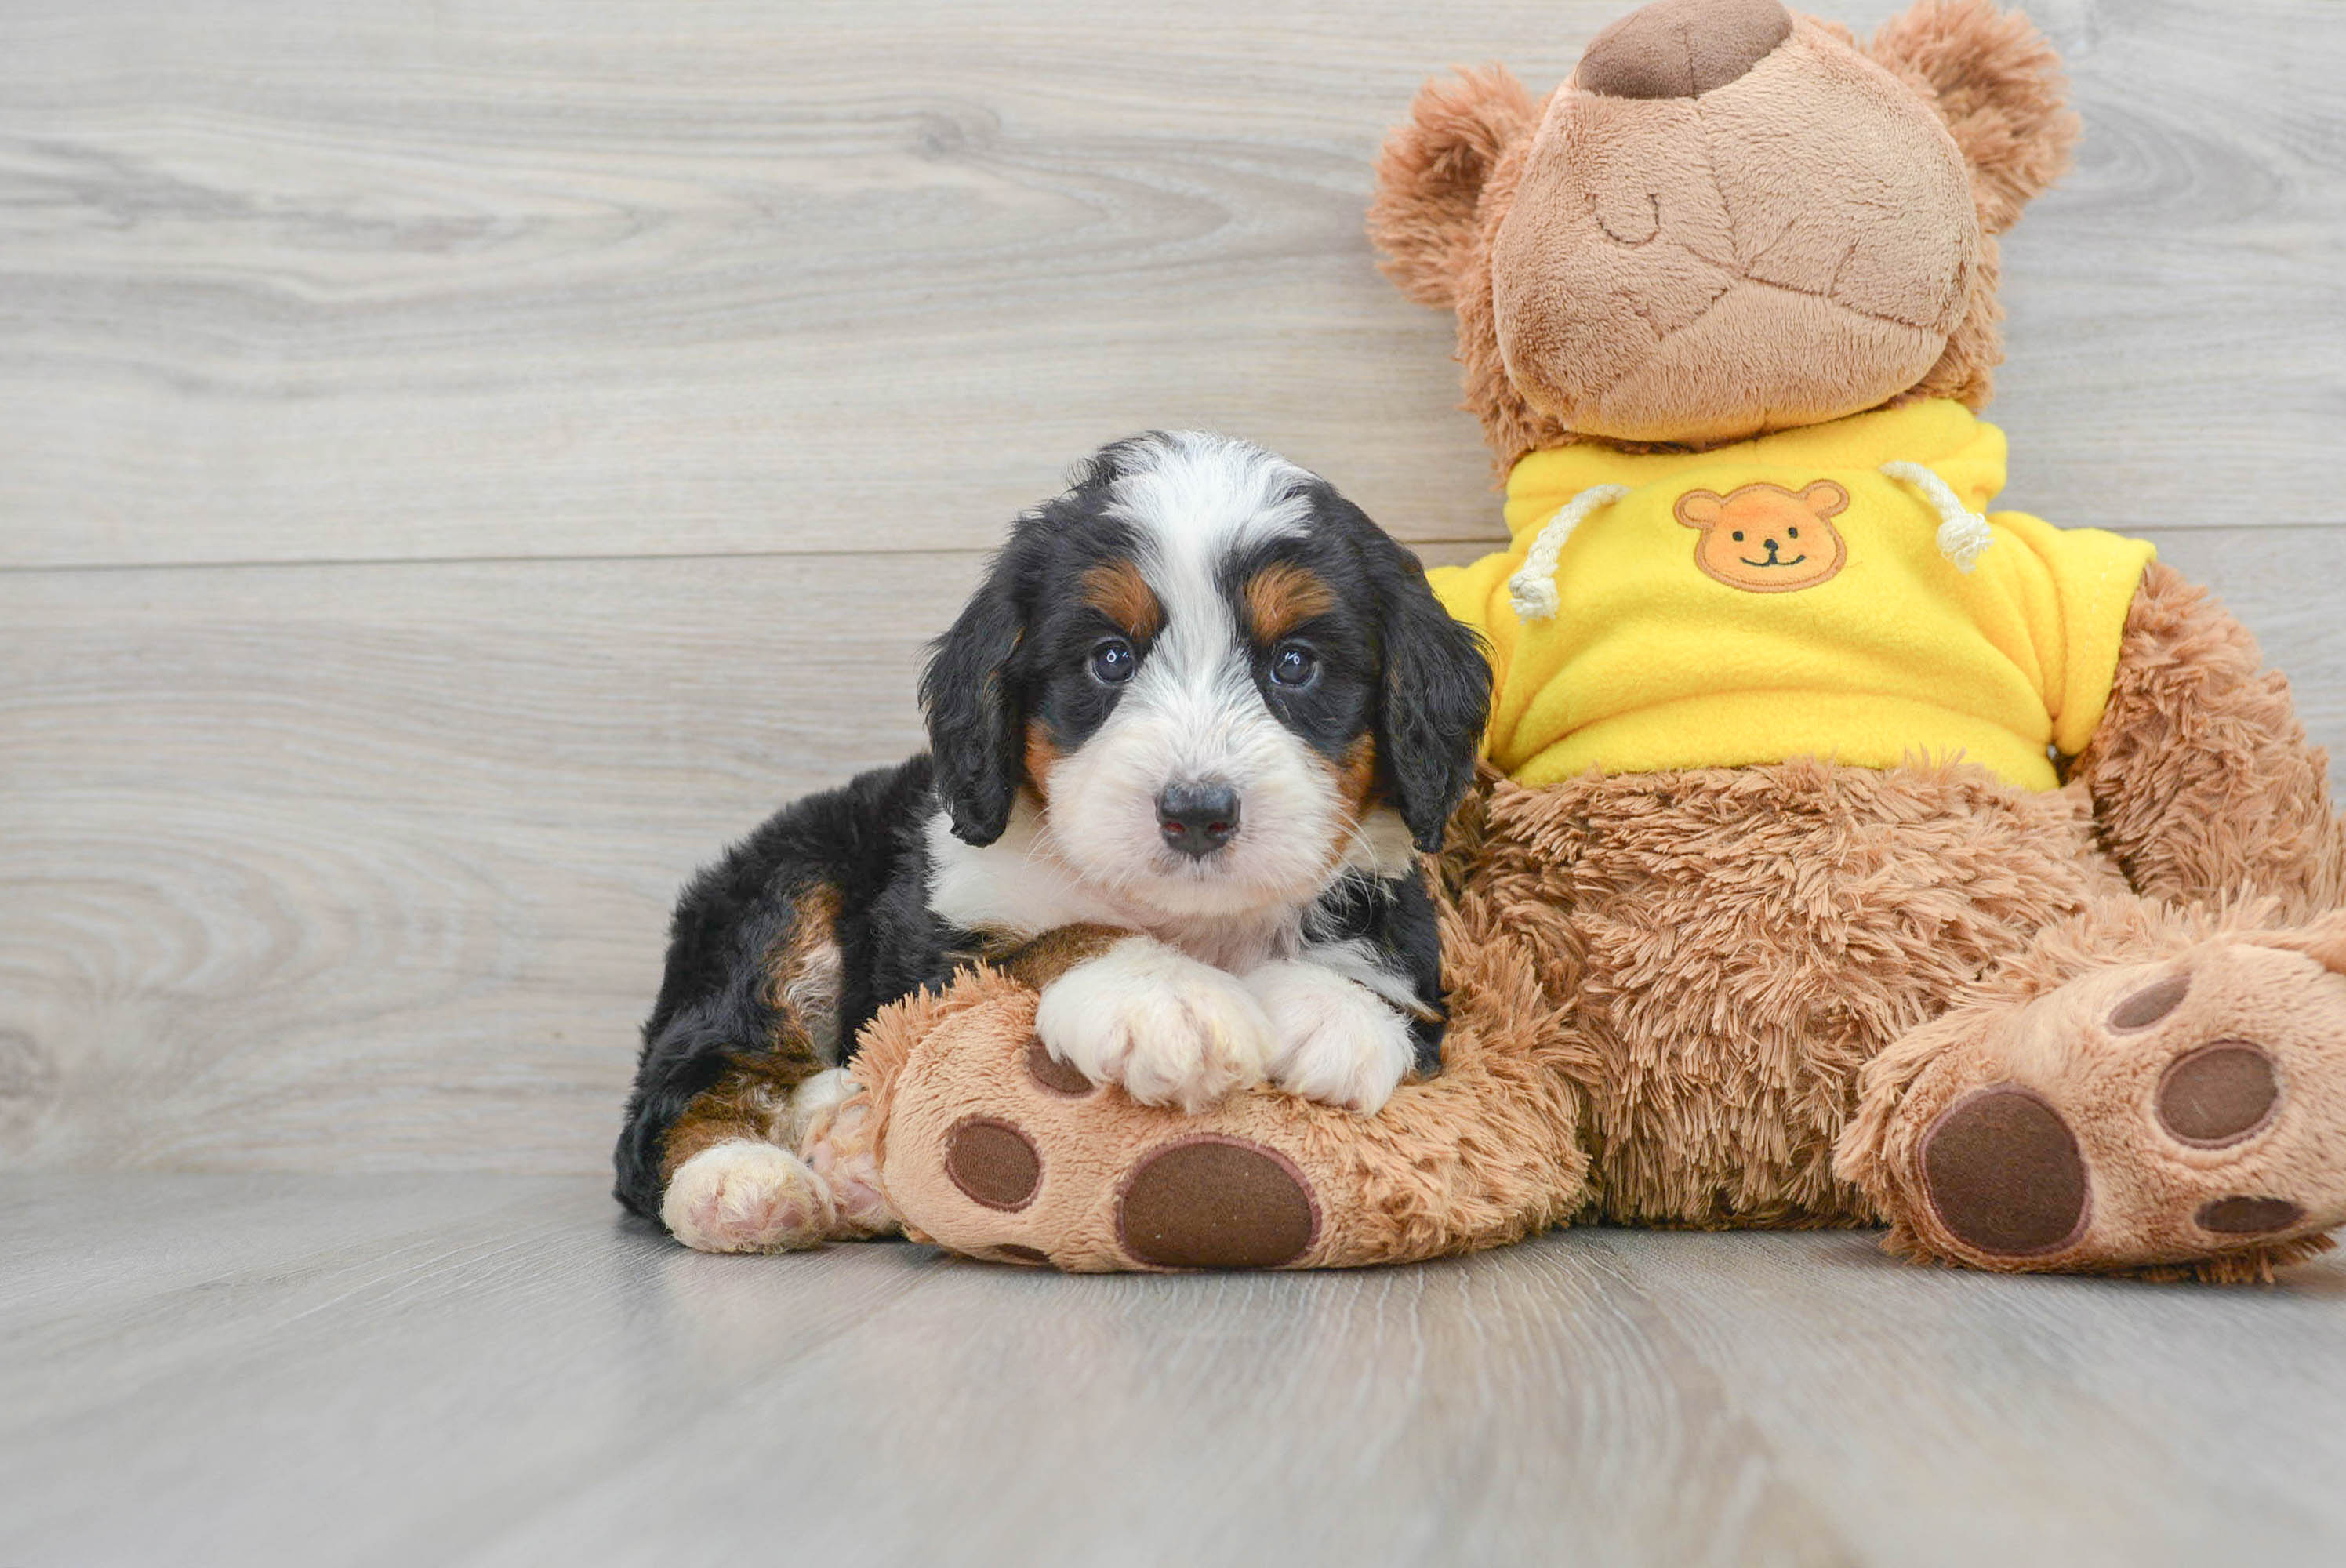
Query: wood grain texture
{"type": "Point", "coordinates": [368, 867]}
{"type": "Point", "coordinates": [279, 282]}
{"type": "Point", "coordinates": [326, 866]}
{"type": "Point", "coordinates": [607, 401]}
{"type": "Point", "coordinates": [491, 1370]}
{"type": "Point", "coordinates": [461, 463]}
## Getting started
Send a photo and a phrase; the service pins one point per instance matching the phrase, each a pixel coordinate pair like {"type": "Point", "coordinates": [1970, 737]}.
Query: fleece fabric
{"type": "Point", "coordinates": [1783, 597]}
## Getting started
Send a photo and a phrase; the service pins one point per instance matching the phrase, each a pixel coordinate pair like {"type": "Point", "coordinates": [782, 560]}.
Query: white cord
{"type": "Point", "coordinates": [1532, 587]}
{"type": "Point", "coordinates": [1963, 533]}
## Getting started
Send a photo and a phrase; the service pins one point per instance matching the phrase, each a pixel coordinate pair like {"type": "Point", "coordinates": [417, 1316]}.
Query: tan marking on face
{"type": "Point", "coordinates": [1766, 539]}
{"type": "Point", "coordinates": [1356, 776]}
{"type": "Point", "coordinates": [1353, 777]}
{"type": "Point", "coordinates": [1282, 596]}
{"type": "Point", "coordinates": [1118, 591]}
{"type": "Point", "coordinates": [1042, 756]}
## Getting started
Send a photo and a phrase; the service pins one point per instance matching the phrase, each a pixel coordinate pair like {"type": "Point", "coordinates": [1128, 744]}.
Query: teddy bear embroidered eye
{"type": "Point", "coordinates": [1852, 852]}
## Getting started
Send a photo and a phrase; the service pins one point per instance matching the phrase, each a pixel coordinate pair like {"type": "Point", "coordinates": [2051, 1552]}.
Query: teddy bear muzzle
{"type": "Point", "coordinates": [1682, 48]}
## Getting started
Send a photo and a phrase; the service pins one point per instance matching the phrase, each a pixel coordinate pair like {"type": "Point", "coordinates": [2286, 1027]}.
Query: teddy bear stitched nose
{"type": "Point", "coordinates": [1679, 48]}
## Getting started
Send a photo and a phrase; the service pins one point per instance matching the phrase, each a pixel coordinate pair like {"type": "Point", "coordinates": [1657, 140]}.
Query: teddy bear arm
{"type": "Point", "coordinates": [2203, 783]}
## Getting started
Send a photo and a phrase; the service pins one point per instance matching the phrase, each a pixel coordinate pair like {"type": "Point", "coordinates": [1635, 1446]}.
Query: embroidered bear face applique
{"type": "Point", "coordinates": [1766, 539]}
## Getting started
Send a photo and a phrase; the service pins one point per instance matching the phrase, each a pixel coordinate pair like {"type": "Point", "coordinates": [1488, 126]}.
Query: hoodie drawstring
{"type": "Point", "coordinates": [1532, 587]}
{"type": "Point", "coordinates": [1963, 533]}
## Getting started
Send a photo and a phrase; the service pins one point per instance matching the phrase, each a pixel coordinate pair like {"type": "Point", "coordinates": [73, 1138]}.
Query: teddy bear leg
{"type": "Point", "coordinates": [2179, 1109]}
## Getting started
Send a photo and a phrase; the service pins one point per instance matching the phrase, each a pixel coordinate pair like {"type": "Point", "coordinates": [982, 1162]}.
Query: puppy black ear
{"type": "Point", "coordinates": [1436, 700]}
{"type": "Point", "coordinates": [975, 721]}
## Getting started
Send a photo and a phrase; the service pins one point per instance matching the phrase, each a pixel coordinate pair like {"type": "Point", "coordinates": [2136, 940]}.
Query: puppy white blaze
{"type": "Point", "coordinates": [1193, 713]}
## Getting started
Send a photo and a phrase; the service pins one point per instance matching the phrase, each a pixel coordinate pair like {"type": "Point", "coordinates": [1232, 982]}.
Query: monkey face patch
{"type": "Point", "coordinates": [1766, 539]}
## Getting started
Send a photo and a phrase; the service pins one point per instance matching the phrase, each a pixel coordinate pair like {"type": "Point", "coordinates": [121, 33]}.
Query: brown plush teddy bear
{"type": "Point", "coordinates": [1851, 854]}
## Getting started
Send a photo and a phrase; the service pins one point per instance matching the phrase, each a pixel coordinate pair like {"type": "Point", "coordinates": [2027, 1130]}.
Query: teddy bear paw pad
{"type": "Point", "coordinates": [2003, 1175]}
{"type": "Point", "coordinates": [1213, 1202]}
{"type": "Point", "coordinates": [993, 1163]}
{"type": "Point", "coordinates": [2219, 1095]}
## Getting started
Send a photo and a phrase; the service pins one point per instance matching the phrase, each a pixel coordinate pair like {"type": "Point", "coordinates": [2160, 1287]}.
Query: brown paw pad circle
{"type": "Point", "coordinates": [2248, 1216]}
{"type": "Point", "coordinates": [2003, 1172]}
{"type": "Point", "coordinates": [2219, 1095]}
{"type": "Point", "coordinates": [1012, 1252]}
{"type": "Point", "coordinates": [993, 1163]}
{"type": "Point", "coordinates": [1053, 1074]}
{"type": "Point", "coordinates": [1215, 1202]}
{"type": "Point", "coordinates": [2151, 1003]}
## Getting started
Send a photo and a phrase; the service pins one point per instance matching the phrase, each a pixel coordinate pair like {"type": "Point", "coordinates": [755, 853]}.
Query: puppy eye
{"type": "Point", "coordinates": [1292, 664]}
{"type": "Point", "coordinates": [1738, 536]}
{"type": "Point", "coordinates": [1792, 533]}
{"type": "Point", "coordinates": [1112, 661]}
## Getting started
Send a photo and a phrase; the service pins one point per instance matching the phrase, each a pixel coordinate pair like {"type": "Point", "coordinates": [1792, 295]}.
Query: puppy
{"type": "Point", "coordinates": [1183, 743]}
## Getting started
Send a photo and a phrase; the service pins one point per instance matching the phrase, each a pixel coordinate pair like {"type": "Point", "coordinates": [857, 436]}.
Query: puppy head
{"type": "Point", "coordinates": [1219, 680]}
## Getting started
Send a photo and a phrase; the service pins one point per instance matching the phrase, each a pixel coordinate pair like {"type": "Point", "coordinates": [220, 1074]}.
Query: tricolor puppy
{"type": "Point", "coordinates": [1185, 741]}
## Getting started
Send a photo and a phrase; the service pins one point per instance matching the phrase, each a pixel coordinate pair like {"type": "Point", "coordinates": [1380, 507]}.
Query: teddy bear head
{"type": "Point", "coordinates": [1731, 219]}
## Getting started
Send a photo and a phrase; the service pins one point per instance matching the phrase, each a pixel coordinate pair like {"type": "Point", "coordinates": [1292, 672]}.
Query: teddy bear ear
{"type": "Point", "coordinates": [1825, 498]}
{"type": "Point", "coordinates": [1700, 508]}
{"type": "Point", "coordinates": [1998, 86]}
{"type": "Point", "coordinates": [1430, 177]}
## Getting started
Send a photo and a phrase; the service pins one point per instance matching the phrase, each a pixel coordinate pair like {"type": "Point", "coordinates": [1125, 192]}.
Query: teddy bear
{"type": "Point", "coordinates": [1847, 852]}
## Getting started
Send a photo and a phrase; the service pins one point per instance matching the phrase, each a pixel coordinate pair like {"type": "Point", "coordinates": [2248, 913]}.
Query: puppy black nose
{"type": "Point", "coordinates": [1197, 819]}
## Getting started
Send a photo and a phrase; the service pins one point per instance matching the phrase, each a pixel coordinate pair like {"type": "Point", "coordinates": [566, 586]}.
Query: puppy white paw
{"type": "Point", "coordinates": [1171, 1030]}
{"type": "Point", "coordinates": [747, 1196]}
{"type": "Point", "coordinates": [1338, 1042]}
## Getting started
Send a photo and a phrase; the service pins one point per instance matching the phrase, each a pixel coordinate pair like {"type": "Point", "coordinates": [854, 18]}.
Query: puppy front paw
{"type": "Point", "coordinates": [1171, 1030]}
{"type": "Point", "coordinates": [745, 1195]}
{"type": "Point", "coordinates": [1338, 1042]}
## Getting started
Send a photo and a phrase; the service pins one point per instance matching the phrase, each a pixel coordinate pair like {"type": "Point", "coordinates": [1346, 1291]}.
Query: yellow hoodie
{"type": "Point", "coordinates": [1784, 596]}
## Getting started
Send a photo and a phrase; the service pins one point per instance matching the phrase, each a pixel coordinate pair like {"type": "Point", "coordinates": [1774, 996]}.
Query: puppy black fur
{"type": "Point", "coordinates": [1389, 664]}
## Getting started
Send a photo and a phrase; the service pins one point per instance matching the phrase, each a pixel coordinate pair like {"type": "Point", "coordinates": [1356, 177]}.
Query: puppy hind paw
{"type": "Point", "coordinates": [745, 1195]}
{"type": "Point", "coordinates": [839, 1148]}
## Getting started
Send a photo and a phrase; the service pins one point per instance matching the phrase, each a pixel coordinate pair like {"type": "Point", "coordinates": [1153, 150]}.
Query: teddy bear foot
{"type": "Point", "coordinates": [1037, 1164]}
{"type": "Point", "coordinates": [2186, 1117]}
{"type": "Point", "coordinates": [993, 1148]}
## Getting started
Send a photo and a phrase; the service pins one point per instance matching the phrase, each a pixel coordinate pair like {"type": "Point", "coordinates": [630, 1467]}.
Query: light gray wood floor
{"type": "Point", "coordinates": [461, 461]}
{"type": "Point", "coordinates": [495, 1370]}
